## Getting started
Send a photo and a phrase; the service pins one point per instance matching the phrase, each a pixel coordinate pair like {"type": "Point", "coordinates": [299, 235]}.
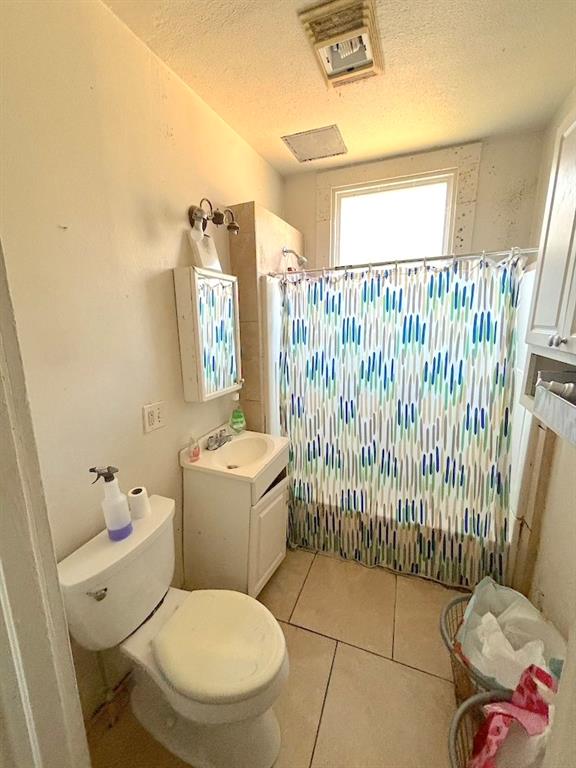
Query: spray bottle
{"type": "Point", "coordinates": [114, 505]}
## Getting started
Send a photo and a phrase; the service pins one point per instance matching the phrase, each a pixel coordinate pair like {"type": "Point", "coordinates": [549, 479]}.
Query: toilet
{"type": "Point", "coordinates": [209, 664]}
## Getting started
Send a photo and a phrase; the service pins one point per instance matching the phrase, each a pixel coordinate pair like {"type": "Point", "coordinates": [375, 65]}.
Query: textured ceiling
{"type": "Point", "coordinates": [455, 70]}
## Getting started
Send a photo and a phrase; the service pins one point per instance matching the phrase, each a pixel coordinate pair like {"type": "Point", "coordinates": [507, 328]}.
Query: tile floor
{"type": "Point", "coordinates": [369, 683]}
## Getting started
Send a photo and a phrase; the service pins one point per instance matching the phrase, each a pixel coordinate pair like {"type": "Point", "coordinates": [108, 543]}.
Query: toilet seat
{"type": "Point", "coordinates": [138, 648]}
{"type": "Point", "coordinates": [219, 647]}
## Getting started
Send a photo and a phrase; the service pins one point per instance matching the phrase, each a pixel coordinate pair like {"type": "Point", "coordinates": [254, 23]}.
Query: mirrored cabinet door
{"type": "Point", "coordinates": [208, 326]}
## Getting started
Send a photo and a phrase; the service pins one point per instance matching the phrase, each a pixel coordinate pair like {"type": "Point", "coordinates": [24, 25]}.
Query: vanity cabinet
{"type": "Point", "coordinates": [552, 324]}
{"type": "Point", "coordinates": [209, 332]}
{"type": "Point", "coordinates": [235, 519]}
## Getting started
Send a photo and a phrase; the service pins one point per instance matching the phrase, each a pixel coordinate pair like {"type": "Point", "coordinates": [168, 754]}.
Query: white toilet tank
{"type": "Point", "coordinates": [110, 587]}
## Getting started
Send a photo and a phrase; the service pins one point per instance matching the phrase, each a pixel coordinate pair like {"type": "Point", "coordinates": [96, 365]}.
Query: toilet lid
{"type": "Point", "coordinates": [220, 646]}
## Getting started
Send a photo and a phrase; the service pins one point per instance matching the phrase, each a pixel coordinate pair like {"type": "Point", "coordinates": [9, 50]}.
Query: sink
{"type": "Point", "coordinates": [238, 453]}
{"type": "Point", "coordinates": [250, 457]}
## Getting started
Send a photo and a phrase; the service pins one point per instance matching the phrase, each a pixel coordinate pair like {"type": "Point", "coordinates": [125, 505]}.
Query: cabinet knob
{"type": "Point", "coordinates": [551, 341]}
{"type": "Point", "coordinates": [560, 340]}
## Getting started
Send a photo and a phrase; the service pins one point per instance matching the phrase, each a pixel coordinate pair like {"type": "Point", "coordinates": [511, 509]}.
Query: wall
{"type": "Point", "coordinates": [504, 198]}
{"type": "Point", "coordinates": [561, 750]}
{"type": "Point", "coordinates": [105, 149]}
{"type": "Point", "coordinates": [255, 251]}
{"type": "Point", "coordinates": [40, 715]}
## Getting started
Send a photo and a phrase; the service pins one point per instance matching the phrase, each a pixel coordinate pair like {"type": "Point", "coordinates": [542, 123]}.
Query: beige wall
{"type": "Point", "coordinates": [561, 751]}
{"type": "Point", "coordinates": [554, 581]}
{"type": "Point", "coordinates": [104, 149]}
{"type": "Point", "coordinates": [505, 194]}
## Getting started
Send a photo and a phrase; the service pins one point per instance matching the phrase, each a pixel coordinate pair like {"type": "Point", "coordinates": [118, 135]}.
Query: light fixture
{"type": "Point", "coordinates": [233, 226]}
{"type": "Point", "coordinates": [199, 217]}
{"type": "Point", "coordinates": [196, 219]}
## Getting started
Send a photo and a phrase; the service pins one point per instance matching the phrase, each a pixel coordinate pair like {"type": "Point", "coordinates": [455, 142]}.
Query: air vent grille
{"type": "Point", "coordinates": [316, 143]}
{"type": "Point", "coordinates": [345, 39]}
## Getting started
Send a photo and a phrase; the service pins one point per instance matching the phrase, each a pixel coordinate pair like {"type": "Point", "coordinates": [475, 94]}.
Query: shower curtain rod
{"type": "Point", "coordinates": [492, 255]}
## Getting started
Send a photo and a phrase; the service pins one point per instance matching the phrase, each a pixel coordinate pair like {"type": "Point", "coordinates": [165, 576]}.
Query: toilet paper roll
{"type": "Point", "coordinates": [138, 502]}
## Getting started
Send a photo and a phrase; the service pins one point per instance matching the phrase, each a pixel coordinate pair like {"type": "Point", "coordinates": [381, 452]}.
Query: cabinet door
{"type": "Point", "coordinates": [551, 301]}
{"type": "Point", "coordinates": [209, 332]}
{"type": "Point", "coordinates": [268, 520]}
{"type": "Point", "coordinates": [567, 341]}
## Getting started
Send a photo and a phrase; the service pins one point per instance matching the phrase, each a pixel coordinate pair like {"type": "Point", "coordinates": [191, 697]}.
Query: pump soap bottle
{"type": "Point", "coordinates": [114, 505]}
{"type": "Point", "coordinates": [237, 419]}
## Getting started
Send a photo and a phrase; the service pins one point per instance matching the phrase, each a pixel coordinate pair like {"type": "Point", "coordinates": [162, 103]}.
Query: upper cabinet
{"type": "Point", "coordinates": [208, 327]}
{"type": "Point", "coordinates": [553, 314]}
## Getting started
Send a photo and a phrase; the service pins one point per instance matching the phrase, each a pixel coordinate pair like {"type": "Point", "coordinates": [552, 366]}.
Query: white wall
{"type": "Point", "coordinates": [507, 185]}
{"type": "Point", "coordinates": [554, 580]}
{"type": "Point", "coordinates": [505, 195]}
{"type": "Point", "coordinates": [104, 149]}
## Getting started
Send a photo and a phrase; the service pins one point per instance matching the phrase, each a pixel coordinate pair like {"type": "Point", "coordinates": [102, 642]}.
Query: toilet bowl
{"type": "Point", "coordinates": [209, 664]}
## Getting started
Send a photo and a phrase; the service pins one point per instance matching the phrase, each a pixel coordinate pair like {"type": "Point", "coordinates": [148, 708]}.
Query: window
{"type": "Point", "coordinates": [397, 220]}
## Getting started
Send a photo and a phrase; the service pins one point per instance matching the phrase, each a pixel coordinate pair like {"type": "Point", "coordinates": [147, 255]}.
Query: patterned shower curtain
{"type": "Point", "coordinates": [396, 391]}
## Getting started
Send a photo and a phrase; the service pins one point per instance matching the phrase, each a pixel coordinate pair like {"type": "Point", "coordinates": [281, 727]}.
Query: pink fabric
{"type": "Point", "coordinates": [527, 707]}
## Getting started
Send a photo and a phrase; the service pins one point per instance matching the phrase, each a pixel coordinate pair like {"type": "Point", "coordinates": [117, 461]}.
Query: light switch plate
{"type": "Point", "coordinates": [154, 416]}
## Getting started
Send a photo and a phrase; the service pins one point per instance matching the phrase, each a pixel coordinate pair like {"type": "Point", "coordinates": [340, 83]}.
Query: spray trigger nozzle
{"type": "Point", "coordinates": [106, 472]}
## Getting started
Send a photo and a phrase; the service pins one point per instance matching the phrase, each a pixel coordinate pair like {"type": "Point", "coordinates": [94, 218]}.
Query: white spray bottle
{"type": "Point", "coordinates": [114, 505]}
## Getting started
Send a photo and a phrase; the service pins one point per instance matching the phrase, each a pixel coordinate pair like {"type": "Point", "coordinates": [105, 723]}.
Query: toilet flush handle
{"type": "Point", "coordinates": [99, 594]}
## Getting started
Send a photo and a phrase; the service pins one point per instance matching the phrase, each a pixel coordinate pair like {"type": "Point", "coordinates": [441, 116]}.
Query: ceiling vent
{"type": "Point", "coordinates": [317, 143]}
{"type": "Point", "coordinates": [345, 39]}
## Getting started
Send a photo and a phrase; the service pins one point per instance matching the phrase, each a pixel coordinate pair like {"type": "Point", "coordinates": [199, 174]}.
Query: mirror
{"type": "Point", "coordinates": [208, 325]}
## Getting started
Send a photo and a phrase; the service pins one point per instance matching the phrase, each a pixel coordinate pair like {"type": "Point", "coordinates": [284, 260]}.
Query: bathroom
{"type": "Point", "coordinates": [116, 118]}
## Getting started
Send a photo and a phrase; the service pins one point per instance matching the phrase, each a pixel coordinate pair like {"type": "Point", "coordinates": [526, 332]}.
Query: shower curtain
{"type": "Point", "coordinates": [396, 391]}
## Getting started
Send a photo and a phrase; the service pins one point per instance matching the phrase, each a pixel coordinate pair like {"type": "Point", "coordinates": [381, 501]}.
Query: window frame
{"type": "Point", "coordinates": [449, 175]}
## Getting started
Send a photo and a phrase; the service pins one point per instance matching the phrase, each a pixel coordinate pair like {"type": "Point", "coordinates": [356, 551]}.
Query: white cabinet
{"type": "Point", "coordinates": [268, 521]}
{"type": "Point", "coordinates": [553, 315]}
{"type": "Point", "coordinates": [234, 521]}
{"type": "Point", "coordinates": [209, 332]}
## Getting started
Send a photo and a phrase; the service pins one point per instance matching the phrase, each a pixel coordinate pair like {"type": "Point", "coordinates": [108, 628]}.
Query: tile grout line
{"type": "Point", "coordinates": [372, 653]}
{"type": "Point", "coordinates": [301, 588]}
{"type": "Point", "coordinates": [323, 704]}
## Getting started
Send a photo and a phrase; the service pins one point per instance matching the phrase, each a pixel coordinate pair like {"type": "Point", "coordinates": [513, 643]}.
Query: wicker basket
{"type": "Point", "coordinates": [467, 681]}
{"type": "Point", "coordinates": [468, 718]}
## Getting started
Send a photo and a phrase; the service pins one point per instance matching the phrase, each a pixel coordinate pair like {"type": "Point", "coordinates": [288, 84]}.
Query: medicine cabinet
{"type": "Point", "coordinates": [553, 314]}
{"type": "Point", "coordinates": [208, 327]}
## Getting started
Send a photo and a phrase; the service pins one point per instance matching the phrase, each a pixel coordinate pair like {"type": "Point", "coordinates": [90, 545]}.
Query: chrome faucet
{"type": "Point", "coordinates": [218, 440]}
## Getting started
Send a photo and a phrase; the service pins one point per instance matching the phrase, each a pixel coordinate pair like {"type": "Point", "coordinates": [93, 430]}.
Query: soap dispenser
{"type": "Point", "coordinates": [237, 420]}
{"type": "Point", "coordinates": [114, 505]}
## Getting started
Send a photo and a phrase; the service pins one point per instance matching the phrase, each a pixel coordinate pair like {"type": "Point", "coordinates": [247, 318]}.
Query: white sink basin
{"type": "Point", "coordinates": [251, 457]}
{"type": "Point", "coordinates": [240, 452]}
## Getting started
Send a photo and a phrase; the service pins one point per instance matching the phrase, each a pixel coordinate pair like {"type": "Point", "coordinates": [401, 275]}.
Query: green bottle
{"type": "Point", "coordinates": [237, 420]}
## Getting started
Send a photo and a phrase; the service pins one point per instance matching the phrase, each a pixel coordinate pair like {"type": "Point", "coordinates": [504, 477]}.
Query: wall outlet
{"type": "Point", "coordinates": [154, 416]}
